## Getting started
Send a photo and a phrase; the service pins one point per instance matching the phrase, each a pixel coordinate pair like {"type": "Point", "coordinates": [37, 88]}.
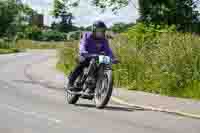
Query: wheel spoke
{"type": "Point", "coordinates": [101, 89]}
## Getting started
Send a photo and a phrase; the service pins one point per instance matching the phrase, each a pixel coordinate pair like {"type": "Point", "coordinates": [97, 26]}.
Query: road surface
{"type": "Point", "coordinates": [26, 107]}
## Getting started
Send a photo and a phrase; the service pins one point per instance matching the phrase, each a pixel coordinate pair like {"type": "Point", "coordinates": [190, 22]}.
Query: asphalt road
{"type": "Point", "coordinates": [26, 107]}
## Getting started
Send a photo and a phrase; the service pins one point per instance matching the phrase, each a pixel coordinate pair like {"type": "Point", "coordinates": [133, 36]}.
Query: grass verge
{"type": "Point", "coordinates": [166, 64]}
{"type": "Point", "coordinates": [29, 44]}
{"type": "Point", "coordinates": [9, 51]}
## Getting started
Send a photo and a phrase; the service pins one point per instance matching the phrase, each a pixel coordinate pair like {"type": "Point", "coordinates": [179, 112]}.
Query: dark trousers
{"type": "Point", "coordinates": [83, 62]}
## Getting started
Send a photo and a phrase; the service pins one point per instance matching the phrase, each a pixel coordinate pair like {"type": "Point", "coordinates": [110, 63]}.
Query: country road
{"type": "Point", "coordinates": [27, 107]}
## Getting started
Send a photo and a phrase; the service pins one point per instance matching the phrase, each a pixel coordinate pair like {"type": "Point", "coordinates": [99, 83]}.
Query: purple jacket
{"type": "Point", "coordinates": [89, 46]}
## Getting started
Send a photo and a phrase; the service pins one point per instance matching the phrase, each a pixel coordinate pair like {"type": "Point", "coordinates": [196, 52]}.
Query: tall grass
{"type": "Point", "coordinates": [30, 44]}
{"type": "Point", "coordinates": [67, 56]}
{"type": "Point", "coordinates": [164, 63]}
{"type": "Point", "coordinates": [167, 64]}
{"type": "Point", "coordinates": [7, 46]}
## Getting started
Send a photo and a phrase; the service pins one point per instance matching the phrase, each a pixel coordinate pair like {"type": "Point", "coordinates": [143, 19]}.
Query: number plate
{"type": "Point", "coordinates": [104, 59]}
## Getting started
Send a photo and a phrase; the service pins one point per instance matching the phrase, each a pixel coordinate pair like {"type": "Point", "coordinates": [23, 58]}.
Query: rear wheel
{"type": "Point", "coordinates": [104, 88]}
{"type": "Point", "coordinates": [71, 98]}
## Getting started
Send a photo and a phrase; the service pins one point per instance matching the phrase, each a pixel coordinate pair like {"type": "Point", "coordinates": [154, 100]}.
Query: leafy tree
{"type": "Point", "coordinates": [33, 32]}
{"type": "Point", "coordinates": [179, 12]}
{"type": "Point", "coordinates": [61, 10]}
{"type": "Point", "coordinates": [14, 16]}
{"type": "Point", "coordinates": [8, 11]}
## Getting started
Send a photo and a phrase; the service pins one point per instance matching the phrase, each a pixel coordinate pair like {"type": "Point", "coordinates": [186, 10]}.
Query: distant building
{"type": "Point", "coordinates": [34, 19]}
{"type": "Point", "coordinates": [37, 19]}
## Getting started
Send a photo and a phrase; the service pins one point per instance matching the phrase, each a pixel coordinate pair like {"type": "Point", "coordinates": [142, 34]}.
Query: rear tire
{"type": "Point", "coordinates": [71, 99]}
{"type": "Point", "coordinates": [101, 103]}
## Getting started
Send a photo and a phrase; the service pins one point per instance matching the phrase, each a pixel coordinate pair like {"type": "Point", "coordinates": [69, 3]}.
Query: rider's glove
{"type": "Point", "coordinates": [115, 61]}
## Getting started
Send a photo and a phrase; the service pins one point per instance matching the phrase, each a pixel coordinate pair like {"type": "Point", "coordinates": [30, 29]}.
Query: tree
{"type": "Point", "coordinates": [61, 10]}
{"type": "Point", "coordinates": [14, 15]}
{"type": "Point", "coordinates": [178, 12]}
{"type": "Point", "coordinates": [8, 11]}
{"type": "Point", "coordinates": [155, 11]}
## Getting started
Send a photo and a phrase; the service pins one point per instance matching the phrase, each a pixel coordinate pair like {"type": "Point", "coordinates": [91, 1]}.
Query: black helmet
{"type": "Point", "coordinates": [99, 24]}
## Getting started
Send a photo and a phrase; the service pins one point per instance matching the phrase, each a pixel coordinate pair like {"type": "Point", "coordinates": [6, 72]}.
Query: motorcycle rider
{"type": "Point", "coordinates": [94, 42]}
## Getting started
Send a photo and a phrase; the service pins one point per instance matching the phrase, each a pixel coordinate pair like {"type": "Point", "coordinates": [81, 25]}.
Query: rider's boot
{"type": "Point", "coordinates": [73, 87]}
{"type": "Point", "coordinates": [91, 82]}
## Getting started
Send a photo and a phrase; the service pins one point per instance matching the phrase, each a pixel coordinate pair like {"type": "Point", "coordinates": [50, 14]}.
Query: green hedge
{"type": "Point", "coordinates": [7, 46]}
{"type": "Point", "coordinates": [37, 34]}
{"type": "Point", "coordinates": [53, 36]}
{"type": "Point", "coordinates": [30, 44]}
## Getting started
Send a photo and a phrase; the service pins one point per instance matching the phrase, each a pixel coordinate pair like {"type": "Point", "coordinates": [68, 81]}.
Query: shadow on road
{"type": "Point", "coordinates": [111, 108]}
{"type": "Point", "coordinates": [25, 82]}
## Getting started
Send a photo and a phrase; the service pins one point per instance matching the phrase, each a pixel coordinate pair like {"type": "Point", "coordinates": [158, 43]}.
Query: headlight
{"type": "Point", "coordinates": [104, 59]}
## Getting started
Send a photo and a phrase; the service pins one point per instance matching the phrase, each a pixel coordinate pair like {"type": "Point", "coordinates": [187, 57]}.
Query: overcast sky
{"type": "Point", "coordinates": [86, 14]}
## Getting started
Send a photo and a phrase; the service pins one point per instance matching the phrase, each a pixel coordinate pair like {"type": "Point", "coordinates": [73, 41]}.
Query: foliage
{"type": "Point", "coordinates": [120, 27]}
{"type": "Point", "coordinates": [70, 52]}
{"type": "Point", "coordinates": [6, 43]}
{"type": "Point", "coordinates": [8, 12]}
{"type": "Point", "coordinates": [181, 13]}
{"type": "Point", "coordinates": [7, 46]}
{"type": "Point", "coordinates": [63, 27]}
{"type": "Point", "coordinates": [14, 18]}
{"type": "Point", "coordinates": [74, 35]}
{"type": "Point", "coordinates": [113, 4]}
{"type": "Point", "coordinates": [62, 10]}
{"type": "Point", "coordinates": [142, 29]}
{"type": "Point", "coordinates": [34, 32]}
{"type": "Point", "coordinates": [9, 51]}
{"type": "Point", "coordinates": [159, 62]}
{"type": "Point", "coordinates": [30, 44]}
{"type": "Point", "coordinates": [154, 59]}
{"type": "Point", "coordinates": [53, 36]}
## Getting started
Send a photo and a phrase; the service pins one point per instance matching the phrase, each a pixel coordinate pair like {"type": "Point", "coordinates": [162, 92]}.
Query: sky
{"type": "Point", "coordinates": [86, 14]}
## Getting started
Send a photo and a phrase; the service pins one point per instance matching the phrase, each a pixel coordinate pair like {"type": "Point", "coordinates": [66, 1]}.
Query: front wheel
{"type": "Point", "coordinates": [71, 98]}
{"type": "Point", "coordinates": [104, 88]}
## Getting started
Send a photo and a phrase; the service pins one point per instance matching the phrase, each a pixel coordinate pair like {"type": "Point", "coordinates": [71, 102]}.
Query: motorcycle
{"type": "Point", "coordinates": [97, 77]}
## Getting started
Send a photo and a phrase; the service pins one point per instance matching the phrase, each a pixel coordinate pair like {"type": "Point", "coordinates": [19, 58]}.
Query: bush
{"type": "Point", "coordinates": [67, 57]}
{"type": "Point", "coordinates": [29, 44]}
{"type": "Point", "coordinates": [74, 35]}
{"type": "Point", "coordinates": [33, 32]}
{"type": "Point", "coordinates": [6, 43]}
{"type": "Point", "coordinates": [36, 33]}
{"type": "Point", "coordinates": [165, 63]}
{"type": "Point", "coordinates": [153, 59]}
{"type": "Point", "coordinates": [120, 27]}
{"type": "Point", "coordinates": [53, 36]}
{"type": "Point", "coordinates": [7, 46]}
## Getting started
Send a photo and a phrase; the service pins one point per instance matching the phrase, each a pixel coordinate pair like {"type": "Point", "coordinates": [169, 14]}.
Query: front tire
{"type": "Point", "coordinates": [103, 92]}
{"type": "Point", "coordinates": [70, 98]}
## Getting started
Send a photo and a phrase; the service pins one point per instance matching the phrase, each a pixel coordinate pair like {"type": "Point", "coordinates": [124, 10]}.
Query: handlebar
{"type": "Point", "coordinates": [97, 55]}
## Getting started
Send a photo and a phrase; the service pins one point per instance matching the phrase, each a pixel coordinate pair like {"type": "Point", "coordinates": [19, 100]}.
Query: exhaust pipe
{"type": "Point", "coordinates": [74, 93]}
{"type": "Point", "coordinates": [79, 93]}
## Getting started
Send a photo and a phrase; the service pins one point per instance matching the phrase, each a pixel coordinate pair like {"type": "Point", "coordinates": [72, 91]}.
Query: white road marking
{"type": "Point", "coordinates": [37, 115]}
{"type": "Point", "coordinates": [177, 112]}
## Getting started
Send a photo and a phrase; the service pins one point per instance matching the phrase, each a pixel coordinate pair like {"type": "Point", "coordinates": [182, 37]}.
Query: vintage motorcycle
{"type": "Point", "coordinates": [97, 77]}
